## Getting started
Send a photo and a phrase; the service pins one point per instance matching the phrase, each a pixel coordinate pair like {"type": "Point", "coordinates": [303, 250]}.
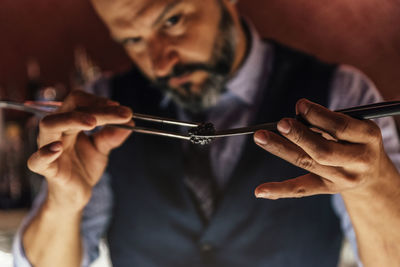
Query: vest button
{"type": "Point", "coordinates": [206, 247]}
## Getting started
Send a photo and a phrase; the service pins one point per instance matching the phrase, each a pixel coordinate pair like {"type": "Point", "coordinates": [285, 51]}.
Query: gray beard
{"type": "Point", "coordinates": [219, 70]}
{"type": "Point", "coordinates": [211, 92]}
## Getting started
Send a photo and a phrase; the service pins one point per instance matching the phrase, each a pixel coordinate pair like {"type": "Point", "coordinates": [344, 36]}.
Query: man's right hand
{"type": "Point", "coordinates": [72, 161]}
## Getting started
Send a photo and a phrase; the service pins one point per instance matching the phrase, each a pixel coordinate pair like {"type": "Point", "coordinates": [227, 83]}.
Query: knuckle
{"type": "Point", "coordinates": [342, 124]}
{"type": "Point", "coordinates": [330, 187]}
{"type": "Point", "coordinates": [297, 135]}
{"type": "Point", "coordinates": [373, 131]}
{"type": "Point", "coordinates": [365, 160]}
{"type": "Point", "coordinates": [77, 116]}
{"type": "Point", "coordinates": [46, 122]}
{"type": "Point", "coordinates": [312, 109]}
{"type": "Point", "coordinates": [305, 162]}
{"type": "Point", "coordinates": [352, 181]}
{"type": "Point", "coordinates": [280, 149]}
{"type": "Point", "coordinates": [300, 191]}
{"type": "Point", "coordinates": [104, 101]}
{"type": "Point", "coordinates": [364, 166]}
{"type": "Point", "coordinates": [324, 153]}
{"type": "Point", "coordinates": [76, 94]}
{"type": "Point", "coordinates": [43, 123]}
{"type": "Point", "coordinates": [297, 189]}
{"type": "Point", "coordinates": [71, 97]}
{"type": "Point", "coordinates": [31, 163]}
{"type": "Point", "coordinates": [347, 180]}
{"type": "Point", "coordinates": [65, 117]}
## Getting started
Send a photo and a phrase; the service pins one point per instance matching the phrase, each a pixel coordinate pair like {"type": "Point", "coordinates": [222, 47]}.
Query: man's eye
{"type": "Point", "coordinates": [173, 20]}
{"type": "Point", "coordinates": [133, 40]}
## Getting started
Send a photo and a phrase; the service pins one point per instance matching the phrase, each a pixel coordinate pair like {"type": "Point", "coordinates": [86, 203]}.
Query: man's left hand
{"type": "Point", "coordinates": [342, 154]}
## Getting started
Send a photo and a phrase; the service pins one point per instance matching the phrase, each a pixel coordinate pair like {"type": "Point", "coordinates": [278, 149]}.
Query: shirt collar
{"type": "Point", "coordinates": [245, 84]}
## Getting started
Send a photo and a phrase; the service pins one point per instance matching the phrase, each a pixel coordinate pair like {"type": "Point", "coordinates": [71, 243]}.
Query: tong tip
{"type": "Point", "coordinates": [202, 129]}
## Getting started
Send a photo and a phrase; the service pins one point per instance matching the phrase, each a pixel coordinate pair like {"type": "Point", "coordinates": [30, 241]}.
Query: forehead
{"type": "Point", "coordinates": [133, 13]}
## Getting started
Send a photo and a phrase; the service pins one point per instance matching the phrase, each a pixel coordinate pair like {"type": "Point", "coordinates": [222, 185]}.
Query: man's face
{"type": "Point", "coordinates": [186, 47]}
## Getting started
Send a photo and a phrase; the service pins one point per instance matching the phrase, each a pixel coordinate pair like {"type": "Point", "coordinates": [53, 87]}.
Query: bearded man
{"type": "Point", "coordinates": [162, 202]}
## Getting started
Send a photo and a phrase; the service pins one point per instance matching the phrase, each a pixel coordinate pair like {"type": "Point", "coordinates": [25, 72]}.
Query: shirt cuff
{"type": "Point", "coordinates": [19, 255]}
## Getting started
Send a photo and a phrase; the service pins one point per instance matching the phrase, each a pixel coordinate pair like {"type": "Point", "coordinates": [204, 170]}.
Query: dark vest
{"type": "Point", "coordinates": [155, 220]}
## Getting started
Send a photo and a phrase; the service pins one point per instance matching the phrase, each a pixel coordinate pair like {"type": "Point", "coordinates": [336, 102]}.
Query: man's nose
{"type": "Point", "coordinates": [163, 60]}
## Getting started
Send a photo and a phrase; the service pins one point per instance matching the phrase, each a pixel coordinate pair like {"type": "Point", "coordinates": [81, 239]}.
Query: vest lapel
{"type": "Point", "coordinates": [278, 101]}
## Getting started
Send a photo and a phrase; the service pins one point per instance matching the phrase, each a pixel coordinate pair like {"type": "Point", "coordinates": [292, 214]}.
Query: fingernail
{"type": "Point", "coordinates": [124, 112]}
{"type": "Point", "coordinates": [303, 107]}
{"type": "Point", "coordinates": [263, 194]}
{"type": "Point", "coordinates": [55, 147]}
{"type": "Point", "coordinates": [89, 119]}
{"type": "Point", "coordinates": [284, 126]}
{"type": "Point", "coordinates": [112, 103]}
{"type": "Point", "coordinates": [261, 138]}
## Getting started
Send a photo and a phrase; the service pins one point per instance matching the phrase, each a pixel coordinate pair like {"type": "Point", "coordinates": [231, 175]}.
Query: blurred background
{"type": "Point", "coordinates": [49, 47]}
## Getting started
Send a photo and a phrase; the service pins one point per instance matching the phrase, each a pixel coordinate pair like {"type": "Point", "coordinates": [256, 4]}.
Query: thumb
{"type": "Point", "coordinates": [302, 186]}
{"type": "Point", "coordinates": [110, 137]}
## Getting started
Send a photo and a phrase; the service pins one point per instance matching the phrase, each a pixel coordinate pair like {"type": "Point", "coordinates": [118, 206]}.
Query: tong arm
{"type": "Point", "coordinates": [42, 109]}
{"type": "Point", "coordinates": [371, 111]}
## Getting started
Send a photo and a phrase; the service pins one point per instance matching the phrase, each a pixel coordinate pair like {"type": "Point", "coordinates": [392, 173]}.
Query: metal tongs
{"type": "Point", "coordinates": [204, 133]}
{"type": "Point", "coordinates": [43, 108]}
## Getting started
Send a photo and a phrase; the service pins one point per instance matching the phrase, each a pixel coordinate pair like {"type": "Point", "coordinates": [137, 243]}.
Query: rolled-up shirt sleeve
{"type": "Point", "coordinates": [351, 88]}
{"type": "Point", "coordinates": [95, 219]}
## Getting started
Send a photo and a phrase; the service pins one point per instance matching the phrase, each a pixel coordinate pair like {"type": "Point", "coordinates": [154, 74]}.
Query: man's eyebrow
{"type": "Point", "coordinates": [165, 11]}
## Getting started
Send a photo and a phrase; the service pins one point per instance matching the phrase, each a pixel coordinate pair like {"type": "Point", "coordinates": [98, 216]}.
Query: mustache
{"type": "Point", "coordinates": [182, 69]}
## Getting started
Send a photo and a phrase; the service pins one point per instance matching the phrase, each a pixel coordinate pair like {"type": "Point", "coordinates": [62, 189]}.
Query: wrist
{"type": "Point", "coordinates": [67, 200]}
{"type": "Point", "coordinates": [385, 185]}
{"type": "Point", "coordinates": [54, 210]}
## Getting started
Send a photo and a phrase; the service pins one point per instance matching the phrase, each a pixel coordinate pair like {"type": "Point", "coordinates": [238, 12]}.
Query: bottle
{"type": "Point", "coordinates": [14, 187]}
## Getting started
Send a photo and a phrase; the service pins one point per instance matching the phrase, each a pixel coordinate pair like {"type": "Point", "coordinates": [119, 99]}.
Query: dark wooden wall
{"type": "Point", "coordinates": [364, 33]}
{"type": "Point", "coordinates": [49, 31]}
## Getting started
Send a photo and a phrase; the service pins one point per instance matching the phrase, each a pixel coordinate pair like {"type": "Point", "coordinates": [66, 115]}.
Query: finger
{"type": "Point", "coordinates": [53, 126]}
{"type": "Point", "coordinates": [326, 152]}
{"type": "Point", "coordinates": [306, 185]}
{"type": "Point", "coordinates": [43, 161]}
{"type": "Point", "coordinates": [293, 154]}
{"type": "Point", "coordinates": [108, 114]}
{"type": "Point", "coordinates": [73, 121]}
{"type": "Point", "coordinates": [109, 138]}
{"type": "Point", "coordinates": [339, 125]}
{"type": "Point", "coordinates": [79, 98]}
